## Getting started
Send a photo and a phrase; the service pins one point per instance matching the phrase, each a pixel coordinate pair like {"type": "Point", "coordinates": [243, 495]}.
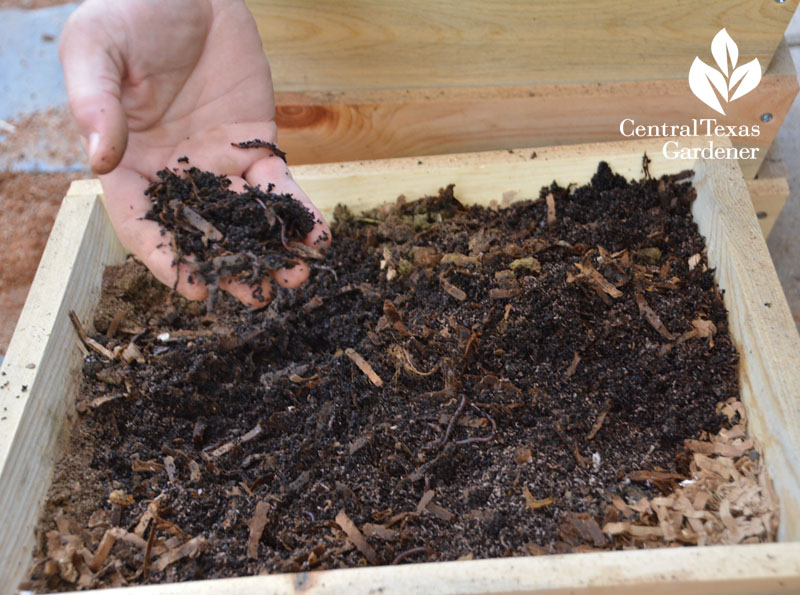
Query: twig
{"type": "Point", "coordinates": [414, 550]}
{"type": "Point", "coordinates": [88, 341]}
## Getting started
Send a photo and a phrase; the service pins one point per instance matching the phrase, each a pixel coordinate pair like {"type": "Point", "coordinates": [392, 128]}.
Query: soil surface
{"type": "Point", "coordinates": [464, 382]}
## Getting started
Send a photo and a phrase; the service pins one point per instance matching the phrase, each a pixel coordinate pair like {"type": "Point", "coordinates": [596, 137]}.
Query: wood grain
{"type": "Point", "coordinates": [383, 44]}
{"type": "Point", "coordinates": [332, 126]}
{"type": "Point", "coordinates": [768, 196]}
{"type": "Point", "coordinates": [717, 570]}
{"type": "Point", "coordinates": [761, 325]}
{"type": "Point", "coordinates": [43, 357]}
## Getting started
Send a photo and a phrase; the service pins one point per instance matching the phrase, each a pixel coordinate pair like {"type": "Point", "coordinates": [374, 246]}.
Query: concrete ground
{"type": "Point", "coordinates": [36, 135]}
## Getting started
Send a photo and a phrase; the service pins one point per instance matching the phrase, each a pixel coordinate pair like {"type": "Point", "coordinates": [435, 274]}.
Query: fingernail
{"type": "Point", "coordinates": [94, 143]}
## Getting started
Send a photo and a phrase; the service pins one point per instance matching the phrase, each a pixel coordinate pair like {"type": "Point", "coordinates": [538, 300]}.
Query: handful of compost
{"type": "Point", "coordinates": [223, 234]}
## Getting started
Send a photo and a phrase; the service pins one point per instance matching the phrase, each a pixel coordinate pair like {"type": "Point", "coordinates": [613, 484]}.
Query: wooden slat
{"type": "Point", "coordinates": [81, 243]}
{"type": "Point", "coordinates": [761, 325]}
{"type": "Point", "coordinates": [321, 127]}
{"type": "Point", "coordinates": [721, 570]}
{"type": "Point", "coordinates": [480, 178]}
{"type": "Point", "coordinates": [768, 196]}
{"type": "Point", "coordinates": [385, 44]}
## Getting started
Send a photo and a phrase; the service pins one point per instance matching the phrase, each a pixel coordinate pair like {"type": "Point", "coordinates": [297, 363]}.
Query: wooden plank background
{"type": "Point", "coordinates": [387, 44]}
{"type": "Point", "coordinates": [353, 125]}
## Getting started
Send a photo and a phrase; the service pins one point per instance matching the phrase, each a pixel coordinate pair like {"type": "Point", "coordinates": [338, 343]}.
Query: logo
{"type": "Point", "coordinates": [710, 85]}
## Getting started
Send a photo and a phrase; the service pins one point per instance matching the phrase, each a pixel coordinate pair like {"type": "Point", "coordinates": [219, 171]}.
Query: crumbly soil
{"type": "Point", "coordinates": [464, 382]}
{"type": "Point", "coordinates": [227, 233]}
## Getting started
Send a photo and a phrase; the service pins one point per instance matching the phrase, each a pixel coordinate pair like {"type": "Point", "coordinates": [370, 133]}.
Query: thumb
{"type": "Point", "coordinates": [93, 71]}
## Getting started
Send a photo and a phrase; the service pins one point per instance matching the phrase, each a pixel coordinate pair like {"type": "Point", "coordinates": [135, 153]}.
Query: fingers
{"type": "Point", "coordinates": [93, 72]}
{"type": "Point", "coordinates": [127, 204]}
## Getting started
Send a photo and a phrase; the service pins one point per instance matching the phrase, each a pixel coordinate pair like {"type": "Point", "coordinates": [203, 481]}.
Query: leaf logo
{"type": "Point", "coordinates": [710, 84]}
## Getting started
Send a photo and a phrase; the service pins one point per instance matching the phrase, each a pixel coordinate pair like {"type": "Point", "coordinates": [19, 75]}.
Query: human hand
{"type": "Point", "coordinates": [149, 82]}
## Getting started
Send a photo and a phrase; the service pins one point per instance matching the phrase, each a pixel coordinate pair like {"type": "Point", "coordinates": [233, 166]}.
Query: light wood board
{"type": "Point", "coordinates": [40, 372]}
{"type": "Point", "coordinates": [335, 125]}
{"type": "Point", "coordinates": [384, 44]}
{"type": "Point", "coordinates": [82, 243]}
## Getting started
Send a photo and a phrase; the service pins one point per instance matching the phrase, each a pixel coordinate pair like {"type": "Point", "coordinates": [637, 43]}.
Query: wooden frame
{"type": "Point", "coordinates": [352, 45]}
{"type": "Point", "coordinates": [44, 356]}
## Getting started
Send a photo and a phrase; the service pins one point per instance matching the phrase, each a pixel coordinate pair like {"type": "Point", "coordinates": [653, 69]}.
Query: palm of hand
{"type": "Point", "coordinates": [187, 80]}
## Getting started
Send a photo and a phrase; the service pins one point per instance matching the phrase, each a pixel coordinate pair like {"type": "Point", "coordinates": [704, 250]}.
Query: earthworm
{"type": "Point", "coordinates": [411, 552]}
{"type": "Point", "coordinates": [488, 438]}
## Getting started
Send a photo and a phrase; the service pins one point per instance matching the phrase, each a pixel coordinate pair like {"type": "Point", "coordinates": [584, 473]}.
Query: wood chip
{"type": "Point", "coordinates": [191, 549]}
{"type": "Point", "coordinates": [150, 466]}
{"type": "Point", "coordinates": [423, 502]}
{"type": "Point", "coordinates": [599, 422]}
{"type": "Point", "coordinates": [359, 443]}
{"type": "Point", "coordinates": [576, 359]}
{"type": "Point", "coordinates": [654, 476]}
{"type": "Point", "coordinates": [88, 341]}
{"type": "Point", "coordinates": [532, 502]}
{"type": "Point", "coordinates": [169, 465]}
{"type": "Point", "coordinates": [502, 294]}
{"type": "Point", "coordinates": [194, 471]}
{"type": "Point", "coordinates": [356, 537]}
{"type": "Point", "coordinates": [132, 353]}
{"type": "Point", "coordinates": [379, 531]}
{"type": "Point", "coordinates": [593, 276]}
{"type": "Point", "coordinates": [257, 525]}
{"type": "Point", "coordinates": [439, 512]}
{"type": "Point", "coordinates": [551, 209]}
{"type": "Point", "coordinates": [652, 318]}
{"type": "Point", "coordinates": [452, 290]}
{"type": "Point", "coordinates": [364, 366]}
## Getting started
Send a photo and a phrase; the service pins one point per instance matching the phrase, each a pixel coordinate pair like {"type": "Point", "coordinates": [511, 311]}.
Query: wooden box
{"type": "Point", "coordinates": [373, 79]}
{"type": "Point", "coordinates": [44, 357]}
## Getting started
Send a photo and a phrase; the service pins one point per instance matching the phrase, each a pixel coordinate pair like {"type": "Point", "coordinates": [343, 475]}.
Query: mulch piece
{"type": "Point", "coordinates": [553, 377]}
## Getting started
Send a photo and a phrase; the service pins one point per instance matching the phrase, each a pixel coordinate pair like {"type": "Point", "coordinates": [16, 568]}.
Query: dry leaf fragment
{"type": "Point", "coordinates": [364, 366]}
{"type": "Point", "coordinates": [653, 318]}
{"type": "Point", "coordinates": [356, 537]}
{"type": "Point", "coordinates": [532, 502]}
{"type": "Point", "coordinates": [257, 525]}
